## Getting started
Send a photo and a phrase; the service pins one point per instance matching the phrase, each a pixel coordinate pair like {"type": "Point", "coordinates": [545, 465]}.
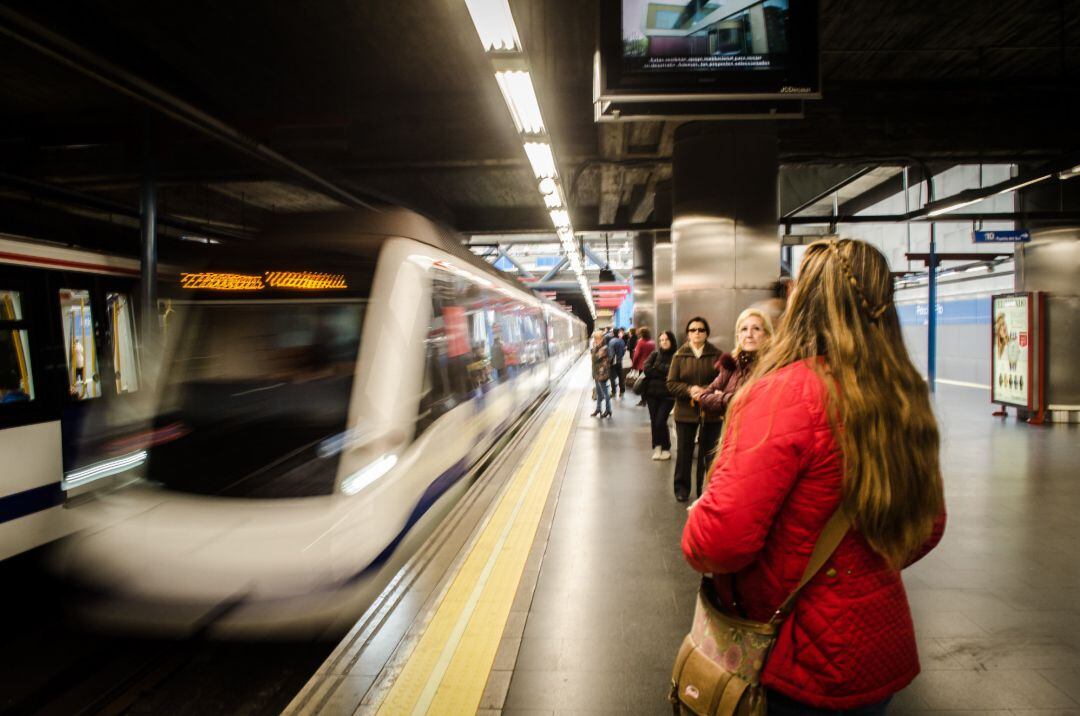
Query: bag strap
{"type": "Point", "coordinates": [830, 538]}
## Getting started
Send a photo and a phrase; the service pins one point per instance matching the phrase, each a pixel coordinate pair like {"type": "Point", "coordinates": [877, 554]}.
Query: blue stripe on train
{"type": "Point", "coordinates": [30, 501]}
{"type": "Point", "coordinates": [431, 495]}
{"type": "Point", "coordinates": [962, 311]}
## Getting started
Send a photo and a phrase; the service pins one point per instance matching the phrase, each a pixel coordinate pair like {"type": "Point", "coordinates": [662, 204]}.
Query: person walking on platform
{"type": "Point", "coordinates": [643, 348]}
{"type": "Point", "coordinates": [616, 350]}
{"type": "Point", "coordinates": [693, 367]}
{"type": "Point", "coordinates": [753, 329]}
{"type": "Point", "coordinates": [601, 367]}
{"type": "Point", "coordinates": [657, 397]}
{"type": "Point", "coordinates": [835, 428]}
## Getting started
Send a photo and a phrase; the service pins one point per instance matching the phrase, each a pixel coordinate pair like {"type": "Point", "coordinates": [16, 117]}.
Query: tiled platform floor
{"type": "Point", "coordinates": [997, 605]}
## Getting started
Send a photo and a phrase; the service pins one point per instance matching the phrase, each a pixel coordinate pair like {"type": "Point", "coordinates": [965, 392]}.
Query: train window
{"type": "Point", "coordinates": [256, 388]}
{"type": "Point", "coordinates": [16, 377]}
{"type": "Point", "coordinates": [122, 326]}
{"type": "Point", "coordinates": [80, 348]}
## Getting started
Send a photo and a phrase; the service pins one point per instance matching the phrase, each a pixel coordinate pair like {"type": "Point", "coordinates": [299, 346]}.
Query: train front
{"type": "Point", "coordinates": [232, 509]}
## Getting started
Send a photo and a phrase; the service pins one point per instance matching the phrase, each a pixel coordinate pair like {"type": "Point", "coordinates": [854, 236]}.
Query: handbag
{"type": "Point", "coordinates": [638, 386]}
{"type": "Point", "coordinates": [718, 668]}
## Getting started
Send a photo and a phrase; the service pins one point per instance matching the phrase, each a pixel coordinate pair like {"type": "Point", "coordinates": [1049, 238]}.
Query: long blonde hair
{"type": "Point", "coordinates": [878, 404]}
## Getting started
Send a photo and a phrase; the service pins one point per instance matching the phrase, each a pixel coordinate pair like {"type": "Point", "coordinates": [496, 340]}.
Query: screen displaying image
{"type": "Point", "coordinates": [1011, 348]}
{"type": "Point", "coordinates": [705, 35]}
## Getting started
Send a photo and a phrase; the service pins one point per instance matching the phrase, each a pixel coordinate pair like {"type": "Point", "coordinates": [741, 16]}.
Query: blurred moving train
{"type": "Point", "coordinates": [316, 394]}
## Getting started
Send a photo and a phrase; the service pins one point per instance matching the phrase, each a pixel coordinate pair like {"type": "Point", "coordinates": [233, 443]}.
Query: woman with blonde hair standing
{"type": "Point", "coordinates": [753, 329]}
{"type": "Point", "coordinates": [834, 419]}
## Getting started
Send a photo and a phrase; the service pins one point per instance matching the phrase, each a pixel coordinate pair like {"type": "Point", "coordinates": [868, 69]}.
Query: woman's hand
{"type": "Point", "coordinates": [696, 392]}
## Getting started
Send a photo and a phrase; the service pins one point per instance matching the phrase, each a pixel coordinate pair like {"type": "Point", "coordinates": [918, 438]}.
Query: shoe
{"type": "Point", "coordinates": [682, 496]}
{"type": "Point", "coordinates": [640, 403]}
{"type": "Point", "coordinates": [594, 413]}
{"type": "Point", "coordinates": [606, 414]}
{"type": "Point", "coordinates": [656, 453]}
{"type": "Point", "coordinates": [664, 455]}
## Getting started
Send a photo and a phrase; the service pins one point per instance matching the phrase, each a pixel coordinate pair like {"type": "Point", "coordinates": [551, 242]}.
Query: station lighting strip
{"type": "Point", "coordinates": [498, 33]}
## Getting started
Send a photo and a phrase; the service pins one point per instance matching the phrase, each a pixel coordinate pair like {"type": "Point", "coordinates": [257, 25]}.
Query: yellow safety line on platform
{"type": "Point", "coordinates": [448, 670]}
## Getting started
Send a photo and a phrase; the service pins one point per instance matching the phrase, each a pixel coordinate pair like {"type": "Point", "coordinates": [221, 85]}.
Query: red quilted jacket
{"type": "Point", "coordinates": [850, 641]}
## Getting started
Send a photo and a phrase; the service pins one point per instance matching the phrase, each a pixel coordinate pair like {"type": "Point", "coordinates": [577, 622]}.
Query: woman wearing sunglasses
{"type": "Point", "coordinates": [693, 368]}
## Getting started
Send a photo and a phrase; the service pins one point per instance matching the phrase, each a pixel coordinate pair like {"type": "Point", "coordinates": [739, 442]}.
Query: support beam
{"type": "Point", "coordinates": [554, 271]}
{"type": "Point", "coordinates": [602, 263]}
{"type": "Point", "coordinates": [952, 217]}
{"type": "Point", "coordinates": [522, 271]}
{"type": "Point", "coordinates": [612, 143]}
{"type": "Point", "coordinates": [148, 255]}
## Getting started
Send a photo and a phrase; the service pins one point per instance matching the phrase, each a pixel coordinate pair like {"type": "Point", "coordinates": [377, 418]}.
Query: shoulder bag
{"type": "Point", "coordinates": [718, 669]}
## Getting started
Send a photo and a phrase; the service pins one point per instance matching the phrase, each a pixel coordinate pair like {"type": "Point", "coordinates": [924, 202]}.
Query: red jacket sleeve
{"type": "Point", "coordinates": [771, 436]}
{"type": "Point", "coordinates": [714, 400]}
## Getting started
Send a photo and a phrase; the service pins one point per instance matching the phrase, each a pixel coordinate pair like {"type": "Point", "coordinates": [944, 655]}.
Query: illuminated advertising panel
{"type": "Point", "coordinates": [1011, 345]}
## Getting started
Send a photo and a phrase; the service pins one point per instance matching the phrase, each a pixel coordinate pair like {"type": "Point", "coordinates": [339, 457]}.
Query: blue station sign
{"type": "Point", "coordinates": [1019, 236]}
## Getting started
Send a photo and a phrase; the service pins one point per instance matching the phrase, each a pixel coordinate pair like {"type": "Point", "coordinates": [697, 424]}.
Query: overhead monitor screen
{"type": "Point", "coordinates": [705, 35]}
{"type": "Point", "coordinates": [707, 50]}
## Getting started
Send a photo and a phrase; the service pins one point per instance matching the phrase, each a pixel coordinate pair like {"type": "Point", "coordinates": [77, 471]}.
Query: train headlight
{"type": "Point", "coordinates": [75, 478]}
{"type": "Point", "coordinates": [368, 474]}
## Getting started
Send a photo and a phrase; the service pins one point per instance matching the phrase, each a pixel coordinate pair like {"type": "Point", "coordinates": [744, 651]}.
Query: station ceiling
{"type": "Point", "coordinates": [395, 101]}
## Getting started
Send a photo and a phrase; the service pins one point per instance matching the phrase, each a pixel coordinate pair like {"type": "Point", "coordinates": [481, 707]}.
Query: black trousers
{"type": "Point", "coordinates": [684, 460]}
{"type": "Point", "coordinates": [617, 372]}
{"type": "Point", "coordinates": [659, 410]}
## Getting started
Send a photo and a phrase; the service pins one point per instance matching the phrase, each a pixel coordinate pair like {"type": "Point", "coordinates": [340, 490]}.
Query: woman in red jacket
{"type": "Point", "coordinates": [834, 416]}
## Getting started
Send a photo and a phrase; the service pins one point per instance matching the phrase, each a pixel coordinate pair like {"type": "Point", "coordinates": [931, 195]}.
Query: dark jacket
{"type": "Point", "coordinates": [601, 364]}
{"type": "Point", "coordinates": [686, 371]}
{"type": "Point", "coordinates": [656, 370]}
{"type": "Point", "coordinates": [616, 349]}
{"type": "Point", "coordinates": [849, 641]}
{"type": "Point", "coordinates": [733, 373]}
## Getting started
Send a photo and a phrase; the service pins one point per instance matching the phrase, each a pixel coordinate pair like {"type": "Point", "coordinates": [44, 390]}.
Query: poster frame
{"type": "Point", "coordinates": [1036, 338]}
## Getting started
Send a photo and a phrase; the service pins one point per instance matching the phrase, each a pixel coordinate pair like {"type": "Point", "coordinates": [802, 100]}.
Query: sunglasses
{"type": "Point", "coordinates": [696, 330]}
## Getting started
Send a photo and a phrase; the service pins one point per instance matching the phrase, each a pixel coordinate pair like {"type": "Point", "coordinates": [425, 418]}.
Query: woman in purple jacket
{"type": "Point", "coordinates": [753, 330]}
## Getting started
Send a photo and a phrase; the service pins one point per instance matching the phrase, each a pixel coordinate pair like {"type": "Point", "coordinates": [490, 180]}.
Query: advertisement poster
{"type": "Point", "coordinates": [1011, 350]}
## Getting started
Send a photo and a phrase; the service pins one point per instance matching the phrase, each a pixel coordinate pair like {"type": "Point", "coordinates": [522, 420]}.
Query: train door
{"type": "Point", "coordinates": [99, 349]}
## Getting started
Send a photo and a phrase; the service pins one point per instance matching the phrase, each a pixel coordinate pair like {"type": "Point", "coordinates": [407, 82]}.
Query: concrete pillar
{"type": "Point", "coordinates": [1051, 263]}
{"type": "Point", "coordinates": [725, 245]}
{"type": "Point", "coordinates": [644, 303]}
{"type": "Point", "coordinates": [662, 295]}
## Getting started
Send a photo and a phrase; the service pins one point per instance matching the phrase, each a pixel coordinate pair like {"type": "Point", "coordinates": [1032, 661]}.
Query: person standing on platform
{"type": "Point", "coordinates": [631, 338]}
{"type": "Point", "coordinates": [835, 421]}
{"type": "Point", "coordinates": [616, 350]}
{"type": "Point", "coordinates": [601, 371]}
{"type": "Point", "coordinates": [643, 347]}
{"type": "Point", "coordinates": [657, 397]}
{"type": "Point", "coordinates": [753, 329]}
{"type": "Point", "coordinates": [693, 367]}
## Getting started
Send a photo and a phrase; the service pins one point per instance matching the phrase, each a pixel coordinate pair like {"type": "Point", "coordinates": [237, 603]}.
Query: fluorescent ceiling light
{"type": "Point", "coordinates": [553, 201]}
{"type": "Point", "coordinates": [1069, 173]}
{"type": "Point", "coordinates": [517, 90]}
{"type": "Point", "coordinates": [494, 24]}
{"type": "Point", "coordinates": [1027, 183]}
{"type": "Point", "coordinates": [952, 207]}
{"type": "Point", "coordinates": [541, 159]}
{"type": "Point", "coordinates": [561, 218]}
